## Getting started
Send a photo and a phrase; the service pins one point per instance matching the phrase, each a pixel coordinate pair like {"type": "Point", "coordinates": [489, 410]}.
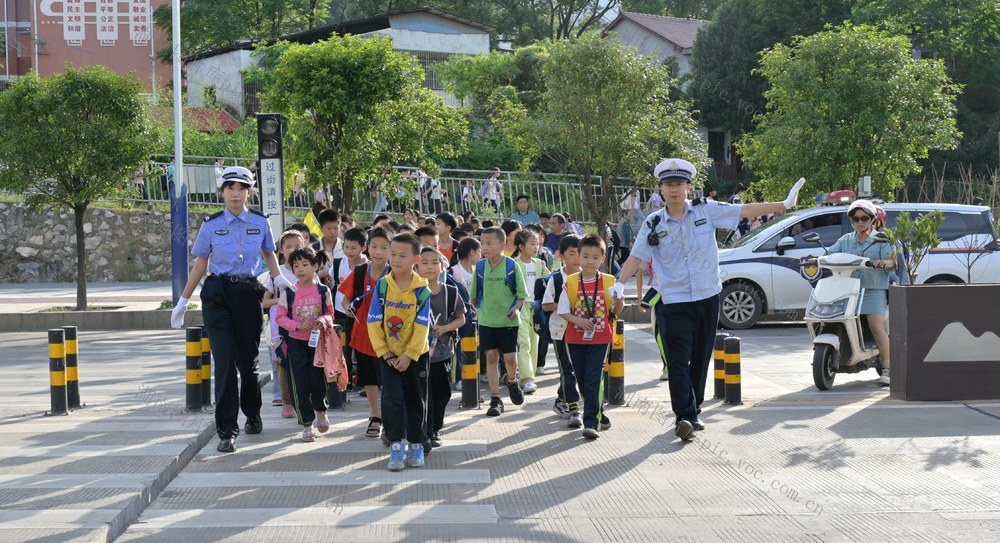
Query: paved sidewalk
{"type": "Point", "coordinates": [790, 464]}
{"type": "Point", "coordinates": [24, 297]}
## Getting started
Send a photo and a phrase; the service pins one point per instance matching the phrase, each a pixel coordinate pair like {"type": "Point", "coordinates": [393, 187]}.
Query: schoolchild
{"type": "Point", "coordinates": [289, 242]}
{"type": "Point", "coordinates": [567, 397]}
{"type": "Point", "coordinates": [525, 249]}
{"type": "Point", "coordinates": [303, 313]}
{"type": "Point", "coordinates": [356, 290]}
{"type": "Point", "coordinates": [498, 292]}
{"type": "Point", "coordinates": [398, 326]}
{"type": "Point", "coordinates": [447, 315]}
{"type": "Point", "coordinates": [589, 309]}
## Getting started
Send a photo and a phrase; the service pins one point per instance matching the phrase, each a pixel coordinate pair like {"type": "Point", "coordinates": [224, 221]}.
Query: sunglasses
{"type": "Point", "coordinates": [860, 218]}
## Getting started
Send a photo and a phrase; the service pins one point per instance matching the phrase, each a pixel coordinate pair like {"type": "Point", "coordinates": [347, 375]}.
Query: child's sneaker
{"type": "Point", "coordinates": [605, 422]}
{"type": "Point", "coordinates": [591, 433]}
{"type": "Point", "coordinates": [516, 394]}
{"type": "Point", "coordinates": [415, 455]}
{"type": "Point", "coordinates": [560, 408]}
{"type": "Point", "coordinates": [883, 378]}
{"type": "Point", "coordinates": [308, 434]}
{"type": "Point", "coordinates": [397, 456]}
{"type": "Point", "coordinates": [529, 387]}
{"type": "Point", "coordinates": [322, 424]}
{"type": "Point", "coordinates": [287, 412]}
{"type": "Point", "coordinates": [496, 407]}
{"type": "Point", "coordinates": [575, 419]}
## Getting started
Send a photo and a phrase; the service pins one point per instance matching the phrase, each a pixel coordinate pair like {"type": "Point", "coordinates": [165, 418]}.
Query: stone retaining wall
{"type": "Point", "coordinates": [123, 245]}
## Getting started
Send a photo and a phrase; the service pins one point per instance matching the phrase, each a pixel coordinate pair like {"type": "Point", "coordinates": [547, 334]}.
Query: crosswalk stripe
{"type": "Point", "coordinates": [318, 516]}
{"type": "Point", "coordinates": [77, 481]}
{"type": "Point", "coordinates": [56, 518]}
{"type": "Point", "coordinates": [92, 450]}
{"type": "Point", "coordinates": [256, 479]}
{"type": "Point", "coordinates": [342, 447]}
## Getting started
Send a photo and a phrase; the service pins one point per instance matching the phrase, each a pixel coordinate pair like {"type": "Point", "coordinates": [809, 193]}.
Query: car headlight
{"type": "Point", "coordinates": [827, 310]}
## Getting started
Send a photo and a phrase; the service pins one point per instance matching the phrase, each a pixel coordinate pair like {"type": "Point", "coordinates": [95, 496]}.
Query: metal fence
{"type": "Point", "coordinates": [550, 193]}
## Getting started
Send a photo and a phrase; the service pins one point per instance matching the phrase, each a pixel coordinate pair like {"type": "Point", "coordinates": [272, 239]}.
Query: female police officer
{"type": "Point", "coordinates": [230, 246]}
{"type": "Point", "coordinates": [680, 241]}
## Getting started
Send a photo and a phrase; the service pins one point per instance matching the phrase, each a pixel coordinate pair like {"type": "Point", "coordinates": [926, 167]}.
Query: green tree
{"type": "Point", "coordinates": [71, 139]}
{"type": "Point", "coordinates": [963, 33]}
{"type": "Point", "coordinates": [605, 115]}
{"type": "Point", "coordinates": [725, 85]}
{"type": "Point", "coordinates": [355, 108]}
{"type": "Point", "coordinates": [919, 236]}
{"type": "Point", "coordinates": [695, 9]}
{"type": "Point", "coordinates": [848, 102]}
{"type": "Point", "coordinates": [212, 24]}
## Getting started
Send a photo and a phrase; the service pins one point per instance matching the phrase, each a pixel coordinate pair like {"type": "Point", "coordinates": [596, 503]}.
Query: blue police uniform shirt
{"type": "Point", "coordinates": [686, 261]}
{"type": "Point", "coordinates": [226, 237]}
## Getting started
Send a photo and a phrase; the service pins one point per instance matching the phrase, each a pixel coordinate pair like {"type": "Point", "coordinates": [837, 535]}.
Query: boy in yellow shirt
{"type": "Point", "coordinates": [398, 327]}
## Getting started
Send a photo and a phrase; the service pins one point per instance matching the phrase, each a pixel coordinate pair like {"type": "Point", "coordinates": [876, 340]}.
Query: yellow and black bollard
{"type": "Point", "coordinates": [193, 374]}
{"type": "Point", "coordinates": [206, 369]}
{"type": "Point", "coordinates": [720, 365]}
{"type": "Point", "coordinates": [57, 372]}
{"type": "Point", "coordinates": [72, 368]}
{"type": "Point", "coordinates": [470, 372]}
{"type": "Point", "coordinates": [616, 366]}
{"type": "Point", "coordinates": [733, 383]}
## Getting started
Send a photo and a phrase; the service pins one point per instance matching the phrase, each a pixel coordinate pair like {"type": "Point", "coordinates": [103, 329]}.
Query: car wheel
{"type": "Point", "coordinates": [741, 306]}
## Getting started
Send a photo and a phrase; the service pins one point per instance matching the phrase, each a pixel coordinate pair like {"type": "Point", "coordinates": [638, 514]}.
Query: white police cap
{"type": "Point", "coordinates": [236, 173]}
{"type": "Point", "coordinates": [675, 169]}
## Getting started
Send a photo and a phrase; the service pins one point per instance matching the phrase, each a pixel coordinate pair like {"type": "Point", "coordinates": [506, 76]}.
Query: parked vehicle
{"type": "Point", "coordinates": [759, 277]}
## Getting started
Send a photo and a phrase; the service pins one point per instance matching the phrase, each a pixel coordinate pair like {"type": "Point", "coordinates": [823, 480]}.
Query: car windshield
{"type": "Point", "coordinates": [754, 235]}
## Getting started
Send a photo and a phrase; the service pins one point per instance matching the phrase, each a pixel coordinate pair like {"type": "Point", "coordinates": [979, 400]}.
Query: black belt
{"type": "Point", "coordinates": [236, 279]}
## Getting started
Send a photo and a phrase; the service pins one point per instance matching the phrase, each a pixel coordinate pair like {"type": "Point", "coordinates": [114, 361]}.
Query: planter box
{"type": "Point", "coordinates": [945, 342]}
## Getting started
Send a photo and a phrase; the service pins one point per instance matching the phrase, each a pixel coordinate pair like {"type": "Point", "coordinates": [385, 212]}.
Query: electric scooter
{"type": "Point", "coordinates": [842, 340]}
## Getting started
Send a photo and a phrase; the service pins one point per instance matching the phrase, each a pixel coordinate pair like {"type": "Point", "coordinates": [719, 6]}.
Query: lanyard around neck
{"type": "Point", "coordinates": [590, 305]}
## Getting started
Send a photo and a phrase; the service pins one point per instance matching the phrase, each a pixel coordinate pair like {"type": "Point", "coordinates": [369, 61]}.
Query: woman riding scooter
{"type": "Point", "coordinates": [875, 280]}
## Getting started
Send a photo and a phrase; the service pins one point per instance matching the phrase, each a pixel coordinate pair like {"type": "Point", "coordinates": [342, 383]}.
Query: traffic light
{"type": "Point", "coordinates": [269, 171]}
{"type": "Point", "coordinates": [269, 136]}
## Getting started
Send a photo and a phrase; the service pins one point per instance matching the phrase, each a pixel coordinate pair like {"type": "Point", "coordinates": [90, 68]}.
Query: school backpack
{"type": "Point", "coordinates": [511, 270]}
{"type": "Point", "coordinates": [540, 317]}
{"type": "Point", "coordinates": [458, 194]}
{"type": "Point", "coordinates": [485, 188]}
{"type": "Point", "coordinates": [469, 328]}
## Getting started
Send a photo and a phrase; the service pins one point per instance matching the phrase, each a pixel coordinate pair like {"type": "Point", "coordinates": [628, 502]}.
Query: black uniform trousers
{"type": "Point", "coordinates": [233, 318]}
{"type": "Point", "coordinates": [404, 401]}
{"type": "Point", "coordinates": [306, 381]}
{"type": "Point", "coordinates": [438, 393]}
{"type": "Point", "coordinates": [688, 332]}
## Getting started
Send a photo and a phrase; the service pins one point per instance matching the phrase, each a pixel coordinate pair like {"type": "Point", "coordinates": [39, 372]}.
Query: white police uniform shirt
{"type": "Point", "coordinates": [686, 261]}
{"type": "Point", "coordinates": [234, 242]}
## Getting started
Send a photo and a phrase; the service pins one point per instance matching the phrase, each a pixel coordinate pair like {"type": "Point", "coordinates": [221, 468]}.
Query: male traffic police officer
{"type": "Point", "coordinates": [680, 241]}
{"type": "Point", "coordinates": [230, 245]}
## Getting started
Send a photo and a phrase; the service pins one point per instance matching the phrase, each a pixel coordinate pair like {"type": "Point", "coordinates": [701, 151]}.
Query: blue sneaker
{"type": "Point", "coordinates": [415, 455]}
{"type": "Point", "coordinates": [397, 456]}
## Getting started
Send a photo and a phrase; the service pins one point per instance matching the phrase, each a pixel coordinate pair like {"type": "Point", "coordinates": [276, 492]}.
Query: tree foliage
{"type": "Point", "coordinates": [71, 139]}
{"type": "Point", "coordinates": [919, 236]}
{"type": "Point", "coordinates": [695, 9]}
{"type": "Point", "coordinates": [355, 108]}
{"type": "Point", "coordinates": [848, 102]}
{"type": "Point", "coordinates": [605, 114]}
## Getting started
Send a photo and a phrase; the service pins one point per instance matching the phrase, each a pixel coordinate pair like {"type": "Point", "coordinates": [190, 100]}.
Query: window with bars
{"type": "Point", "coordinates": [427, 62]}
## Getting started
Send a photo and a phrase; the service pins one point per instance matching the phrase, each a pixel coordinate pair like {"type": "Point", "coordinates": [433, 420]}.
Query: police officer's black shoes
{"type": "Point", "coordinates": [227, 445]}
{"type": "Point", "coordinates": [254, 426]}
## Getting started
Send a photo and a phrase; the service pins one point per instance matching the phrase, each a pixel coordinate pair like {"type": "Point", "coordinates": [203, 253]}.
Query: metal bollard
{"type": "Point", "coordinates": [733, 384]}
{"type": "Point", "coordinates": [57, 372]}
{"type": "Point", "coordinates": [72, 368]}
{"type": "Point", "coordinates": [720, 365]}
{"type": "Point", "coordinates": [193, 374]}
{"type": "Point", "coordinates": [616, 366]}
{"type": "Point", "coordinates": [470, 372]}
{"type": "Point", "coordinates": [206, 369]}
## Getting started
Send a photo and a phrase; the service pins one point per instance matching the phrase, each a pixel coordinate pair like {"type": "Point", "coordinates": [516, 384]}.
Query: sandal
{"type": "Point", "coordinates": [374, 427]}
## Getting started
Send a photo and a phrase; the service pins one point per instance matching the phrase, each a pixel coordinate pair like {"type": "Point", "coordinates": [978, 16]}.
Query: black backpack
{"type": "Point", "coordinates": [469, 328]}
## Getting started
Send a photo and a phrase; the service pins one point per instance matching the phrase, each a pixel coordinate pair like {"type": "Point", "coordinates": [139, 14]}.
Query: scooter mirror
{"type": "Point", "coordinates": [880, 237]}
{"type": "Point", "coordinates": [993, 245]}
{"type": "Point", "coordinates": [811, 237]}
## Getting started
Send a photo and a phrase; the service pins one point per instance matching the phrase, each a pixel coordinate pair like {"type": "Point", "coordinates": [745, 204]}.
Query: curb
{"type": "Point", "coordinates": [153, 319]}
{"type": "Point", "coordinates": [135, 507]}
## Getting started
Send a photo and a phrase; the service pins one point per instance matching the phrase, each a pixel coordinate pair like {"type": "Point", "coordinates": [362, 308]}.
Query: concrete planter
{"type": "Point", "coordinates": [945, 342]}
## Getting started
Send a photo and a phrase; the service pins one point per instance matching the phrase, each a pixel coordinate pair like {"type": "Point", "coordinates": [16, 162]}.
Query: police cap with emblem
{"type": "Point", "coordinates": [238, 174]}
{"type": "Point", "coordinates": [675, 170]}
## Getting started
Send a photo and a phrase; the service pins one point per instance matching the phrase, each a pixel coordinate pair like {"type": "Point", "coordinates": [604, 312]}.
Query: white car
{"type": "Point", "coordinates": [759, 277]}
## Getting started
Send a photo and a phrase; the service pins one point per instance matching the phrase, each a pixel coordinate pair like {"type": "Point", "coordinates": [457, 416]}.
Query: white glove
{"type": "Point", "coordinates": [617, 292]}
{"type": "Point", "coordinates": [793, 195]}
{"type": "Point", "coordinates": [177, 316]}
{"type": "Point", "coordinates": [281, 282]}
